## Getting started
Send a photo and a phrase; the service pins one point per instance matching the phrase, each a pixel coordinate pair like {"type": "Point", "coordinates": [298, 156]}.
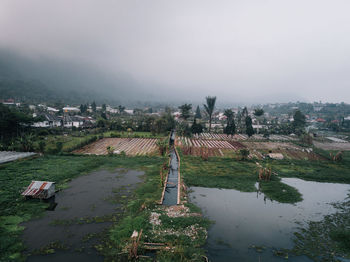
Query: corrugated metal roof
{"type": "Point", "coordinates": [36, 188]}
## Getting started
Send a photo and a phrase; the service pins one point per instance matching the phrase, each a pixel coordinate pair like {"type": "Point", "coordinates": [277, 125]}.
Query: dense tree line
{"type": "Point", "coordinates": [13, 124]}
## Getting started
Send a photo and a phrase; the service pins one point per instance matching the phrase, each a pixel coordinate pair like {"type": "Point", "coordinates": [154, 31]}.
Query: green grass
{"type": "Point", "coordinates": [69, 142]}
{"type": "Point", "coordinates": [320, 171]}
{"type": "Point", "coordinates": [15, 176]}
{"type": "Point", "coordinates": [137, 218]}
{"type": "Point", "coordinates": [280, 192]}
{"type": "Point", "coordinates": [219, 172]}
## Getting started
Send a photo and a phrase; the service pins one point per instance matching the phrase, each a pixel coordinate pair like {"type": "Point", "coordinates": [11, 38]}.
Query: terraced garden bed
{"type": "Point", "coordinates": [258, 150]}
{"type": "Point", "coordinates": [131, 146]}
{"type": "Point", "coordinates": [195, 147]}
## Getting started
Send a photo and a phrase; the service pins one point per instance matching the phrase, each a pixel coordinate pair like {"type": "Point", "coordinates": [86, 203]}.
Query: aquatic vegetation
{"type": "Point", "coordinates": [328, 239]}
{"type": "Point", "coordinates": [50, 248]}
{"type": "Point", "coordinates": [283, 193]}
{"type": "Point", "coordinates": [15, 176]}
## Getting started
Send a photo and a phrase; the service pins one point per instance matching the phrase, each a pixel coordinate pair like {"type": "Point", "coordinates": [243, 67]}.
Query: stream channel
{"type": "Point", "coordinates": [90, 205]}
{"type": "Point", "coordinates": [171, 189]}
{"type": "Point", "coordinates": [243, 219]}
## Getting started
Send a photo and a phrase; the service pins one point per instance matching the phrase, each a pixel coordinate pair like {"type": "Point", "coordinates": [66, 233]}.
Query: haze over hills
{"type": "Point", "coordinates": [43, 79]}
{"type": "Point", "coordinates": [243, 52]}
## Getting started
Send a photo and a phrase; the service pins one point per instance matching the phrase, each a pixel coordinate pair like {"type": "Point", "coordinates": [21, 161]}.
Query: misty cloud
{"type": "Point", "coordinates": [241, 51]}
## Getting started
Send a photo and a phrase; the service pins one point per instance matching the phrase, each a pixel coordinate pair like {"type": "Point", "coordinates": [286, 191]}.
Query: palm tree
{"type": "Point", "coordinates": [209, 108]}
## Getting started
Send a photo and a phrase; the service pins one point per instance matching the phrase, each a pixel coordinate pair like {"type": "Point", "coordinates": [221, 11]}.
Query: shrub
{"type": "Point", "coordinates": [59, 146]}
{"type": "Point", "coordinates": [42, 145]}
{"type": "Point", "coordinates": [244, 153]}
{"type": "Point", "coordinates": [110, 150]}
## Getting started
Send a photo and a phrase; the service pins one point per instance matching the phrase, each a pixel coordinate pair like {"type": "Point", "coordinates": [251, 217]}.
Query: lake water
{"type": "Point", "coordinates": [246, 219]}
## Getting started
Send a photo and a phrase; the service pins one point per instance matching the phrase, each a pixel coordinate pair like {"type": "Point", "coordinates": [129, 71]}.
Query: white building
{"type": "Point", "coordinates": [51, 109]}
{"type": "Point", "coordinates": [50, 121]}
{"type": "Point", "coordinates": [68, 109]}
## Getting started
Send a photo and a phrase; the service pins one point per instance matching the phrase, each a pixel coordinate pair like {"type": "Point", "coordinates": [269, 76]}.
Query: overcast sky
{"type": "Point", "coordinates": [241, 51]}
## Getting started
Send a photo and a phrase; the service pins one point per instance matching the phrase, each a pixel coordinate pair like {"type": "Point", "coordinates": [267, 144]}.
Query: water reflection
{"type": "Point", "coordinates": [246, 219]}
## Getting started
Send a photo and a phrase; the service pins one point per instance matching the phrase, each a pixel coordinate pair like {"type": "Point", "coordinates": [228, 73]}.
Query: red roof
{"type": "Point", "coordinates": [320, 120]}
{"type": "Point", "coordinates": [36, 188]}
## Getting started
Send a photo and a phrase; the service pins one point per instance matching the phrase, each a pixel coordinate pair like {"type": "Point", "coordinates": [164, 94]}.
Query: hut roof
{"type": "Point", "coordinates": [36, 188]}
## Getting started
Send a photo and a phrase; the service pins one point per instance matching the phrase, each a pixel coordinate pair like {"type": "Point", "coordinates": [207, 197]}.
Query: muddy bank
{"type": "Point", "coordinates": [83, 212]}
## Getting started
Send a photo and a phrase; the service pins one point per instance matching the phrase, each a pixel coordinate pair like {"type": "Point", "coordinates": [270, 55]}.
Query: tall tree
{"type": "Point", "coordinates": [198, 113]}
{"type": "Point", "coordinates": [239, 122]}
{"type": "Point", "coordinates": [93, 106]}
{"type": "Point", "coordinates": [185, 111]}
{"type": "Point", "coordinates": [209, 108]}
{"type": "Point", "coordinates": [12, 124]}
{"type": "Point", "coordinates": [196, 128]}
{"type": "Point", "coordinates": [299, 122]}
{"type": "Point", "coordinates": [244, 115]}
{"type": "Point", "coordinates": [104, 108]}
{"type": "Point", "coordinates": [121, 109]}
{"type": "Point", "coordinates": [83, 108]}
{"type": "Point", "coordinates": [244, 112]}
{"type": "Point", "coordinates": [258, 112]}
{"type": "Point", "coordinates": [249, 126]}
{"type": "Point", "coordinates": [230, 128]}
{"type": "Point", "coordinates": [299, 119]}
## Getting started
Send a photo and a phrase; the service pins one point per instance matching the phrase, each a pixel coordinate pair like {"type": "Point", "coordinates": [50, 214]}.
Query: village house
{"type": "Point", "coordinates": [49, 121]}
{"type": "Point", "coordinates": [68, 109]}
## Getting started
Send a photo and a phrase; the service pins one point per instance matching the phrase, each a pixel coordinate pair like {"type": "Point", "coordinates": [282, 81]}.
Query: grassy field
{"type": "Point", "coordinates": [220, 172]}
{"type": "Point", "coordinates": [15, 176]}
{"type": "Point", "coordinates": [320, 171]}
{"type": "Point", "coordinates": [321, 240]}
{"type": "Point", "coordinates": [61, 169]}
{"type": "Point", "coordinates": [69, 142]}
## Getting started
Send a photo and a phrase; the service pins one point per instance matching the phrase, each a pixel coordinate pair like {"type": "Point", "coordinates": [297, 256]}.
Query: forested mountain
{"type": "Point", "coordinates": [42, 79]}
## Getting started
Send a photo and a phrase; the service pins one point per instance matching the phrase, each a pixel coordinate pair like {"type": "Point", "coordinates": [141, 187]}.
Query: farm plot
{"type": "Point", "coordinates": [282, 138]}
{"type": "Point", "coordinates": [288, 150]}
{"type": "Point", "coordinates": [259, 150]}
{"type": "Point", "coordinates": [131, 146]}
{"type": "Point", "coordinates": [235, 137]}
{"type": "Point", "coordinates": [272, 138]}
{"type": "Point", "coordinates": [242, 137]}
{"type": "Point", "coordinates": [213, 147]}
{"type": "Point", "coordinates": [332, 145]}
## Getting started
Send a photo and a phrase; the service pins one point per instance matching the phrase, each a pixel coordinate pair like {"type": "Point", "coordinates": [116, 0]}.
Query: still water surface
{"type": "Point", "coordinates": [245, 219]}
{"type": "Point", "coordinates": [88, 196]}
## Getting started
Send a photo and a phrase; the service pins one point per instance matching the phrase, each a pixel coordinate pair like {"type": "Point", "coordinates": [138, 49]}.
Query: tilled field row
{"type": "Point", "coordinates": [131, 146]}
{"type": "Point", "coordinates": [235, 137]}
{"type": "Point", "coordinates": [217, 144]}
{"type": "Point", "coordinates": [241, 137]}
{"type": "Point", "coordinates": [198, 147]}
